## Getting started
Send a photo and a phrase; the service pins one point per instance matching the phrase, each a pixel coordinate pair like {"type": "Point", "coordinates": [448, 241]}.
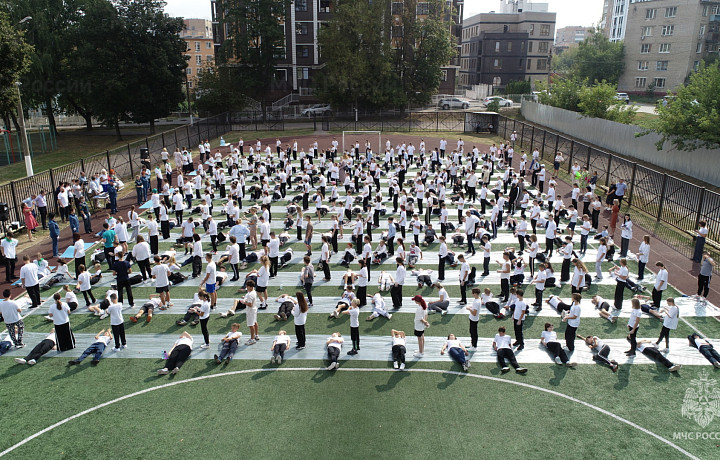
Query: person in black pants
{"type": "Point", "coordinates": [308, 276]}
{"type": "Point", "coordinates": [121, 270]}
{"type": "Point", "coordinates": [39, 350]}
{"type": "Point", "coordinates": [179, 353]}
{"type": "Point", "coordinates": [519, 320]}
{"type": "Point", "coordinates": [650, 350]}
{"type": "Point", "coordinates": [705, 348]}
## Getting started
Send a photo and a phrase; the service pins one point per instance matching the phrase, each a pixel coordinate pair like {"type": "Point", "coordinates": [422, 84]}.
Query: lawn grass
{"type": "Point", "coordinates": [318, 414]}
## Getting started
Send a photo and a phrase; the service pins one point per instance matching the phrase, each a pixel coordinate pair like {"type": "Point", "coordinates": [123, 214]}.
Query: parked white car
{"type": "Point", "coordinates": [453, 103]}
{"type": "Point", "coordinates": [501, 100]}
{"type": "Point", "coordinates": [623, 97]}
{"type": "Point", "coordinates": [317, 110]}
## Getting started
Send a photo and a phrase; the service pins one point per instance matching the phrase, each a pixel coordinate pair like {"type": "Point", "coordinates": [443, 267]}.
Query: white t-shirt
{"type": "Point", "coordinates": [160, 272]}
{"type": "Point", "coordinates": [29, 274]}
{"type": "Point", "coordinates": [61, 316]}
{"type": "Point", "coordinates": [661, 278]}
{"type": "Point", "coordinates": [502, 341]}
{"type": "Point", "coordinates": [574, 311]}
{"type": "Point", "coordinates": [115, 311]}
{"type": "Point", "coordinates": [354, 317]}
{"type": "Point", "coordinates": [419, 316]}
{"type": "Point", "coordinates": [549, 336]}
{"type": "Point", "coordinates": [274, 247]}
{"type": "Point", "coordinates": [9, 310]}
{"type": "Point", "coordinates": [84, 280]}
{"type": "Point", "coordinates": [671, 318]}
{"type": "Point", "coordinates": [184, 341]}
{"type": "Point", "coordinates": [210, 270]}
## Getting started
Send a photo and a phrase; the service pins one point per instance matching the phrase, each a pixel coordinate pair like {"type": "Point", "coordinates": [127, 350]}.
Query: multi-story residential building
{"type": "Point", "coordinates": [198, 34]}
{"type": "Point", "coordinates": [614, 19]}
{"type": "Point", "coordinates": [666, 40]}
{"type": "Point", "coordinates": [567, 37]}
{"type": "Point", "coordinates": [302, 56]}
{"type": "Point", "coordinates": [499, 47]}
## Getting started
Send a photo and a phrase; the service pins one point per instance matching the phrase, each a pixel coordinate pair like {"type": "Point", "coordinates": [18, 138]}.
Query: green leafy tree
{"type": "Point", "coordinates": [598, 59]}
{"type": "Point", "coordinates": [562, 63]}
{"type": "Point", "coordinates": [217, 90]}
{"type": "Point", "coordinates": [690, 121]}
{"type": "Point", "coordinates": [356, 48]}
{"type": "Point", "coordinates": [564, 93]}
{"type": "Point", "coordinates": [493, 106]}
{"type": "Point", "coordinates": [15, 57]}
{"type": "Point", "coordinates": [256, 38]}
{"type": "Point", "coordinates": [518, 87]}
{"type": "Point", "coordinates": [599, 101]}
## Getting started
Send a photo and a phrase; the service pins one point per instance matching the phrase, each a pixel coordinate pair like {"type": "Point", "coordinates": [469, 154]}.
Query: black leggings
{"type": "Point", "coordinates": [90, 294]}
{"type": "Point", "coordinates": [178, 357]}
{"type": "Point", "coordinates": [40, 349]}
{"type": "Point", "coordinates": [398, 353]}
{"type": "Point", "coordinates": [664, 334]}
{"type": "Point", "coordinates": [300, 334]}
{"type": "Point", "coordinates": [333, 354]}
{"type": "Point", "coordinates": [204, 329]}
{"type": "Point", "coordinates": [118, 332]}
{"type": "Point", "coordinates": [355, 337]}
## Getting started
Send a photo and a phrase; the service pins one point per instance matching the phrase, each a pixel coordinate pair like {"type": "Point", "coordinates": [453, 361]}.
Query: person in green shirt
{"type": "Point", "coordinates": [109, 241]}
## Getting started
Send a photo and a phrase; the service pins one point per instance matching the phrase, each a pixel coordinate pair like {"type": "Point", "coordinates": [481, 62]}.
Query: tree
{"type": "Point", "coordinates": [690, 121]}
{"type": "Point", "coordinates": [564, 93]}
{"type": "Point", "coordinates": [217, 90]}
{"type": "Point", "coordinates": [356, 48]}
{"type": "Point", "coordinates": [15, 57]}
{"type": "Point", "coordinates": [562, 63]}
{"type": "Point", "coordinates": [597, 59]}
{"type": "Point", "coordinates": [157, 68]}
{"type": "Point", "coordinates": [599, 101]}
{"type": "Point", "coordinates": [256, 37]}
{"type": "Point", "coordinates": [518, 87]}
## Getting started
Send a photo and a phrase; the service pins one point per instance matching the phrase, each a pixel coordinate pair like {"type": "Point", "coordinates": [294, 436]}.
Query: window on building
{"type": "Point", "coordinates": [542, 64]}
{"type": "Point", "coordinates": [509, 47]}
{"type": "Point", "coordinates": [659, 83]}
{"type": "Point", "coordinates": [199, 71]}
{"type": "Point", "coordinates": [208, 45]}
{"type": "Point", "coordinates": [190, 84]}
{"type": "Point", "coordinates": [671, 12]}
{"type": "Point", "coordinates": [640, 82]}
{"type": "Point", "coordinates": [300, 5]}
{"type": "Point", "coordinates": [543, 47]}
{"type": "Point", "coordinates": [698, 47]}
{"type": "Point", "coordinates": [422, 8]}
{"type": "Point", "coordinates": [529, 64]}
{"type": "Point", "coordinates": [443, 75]}
{"type": "Point", "coordinates": [701, 32]}
{"type": "Point", "coordinates": [397, 7]}
{"type": "Point", "coordinates": [324, 6]}
{"type": "Point", "coordinates": [544, 30]}
{"type": "Point", "coordinates": [188, 70]}
{"type": "Point", "coordinates": [497, 64]}
{"type": "Point", "coordinates": [705, 10]}
{"type": "Point", "coordinates": [301, 28]}
{"type": "Point", "coordinates": [696, 64]}
{"type": "Point", "coordinates": [303, 73]}
{"type": "Point", "coordinates": [642, 65]}
{"type": "Point", "coordinates": [650, 13]}
{"type": "Point", "coordinates": [397, 31]}
{"type": "Point", "coordinates": [531, 31]}
{"type": "Point", "coordinates": [645, 48]}
{"type": "Point", "coordinates": [661, 66]}
{"type": "Point", "coordinates": [646, 31]}
{"type": "Point", "coordinates": [522, 46]}
{"type": "Point", "coordinates": [198, 60]}
{"type": "Point", "coordinates": [664, 48]}
{"type": "Point", "coordinates": [280, 74]}
{"type": "Point", "coordinates": [668, 30]}
{"type": "Point", "coordinates": [209, 58]}
{"type": "Point", "coordinates": [303, 51]}
{"type": "Point", "coordinates": [197, 46]}
{"type": "Point", "coordinates": [497, 47]}
{"type": "Point", "coordinates": [520, 64]}
{"type": "Point", "coordinates": [530, 47]}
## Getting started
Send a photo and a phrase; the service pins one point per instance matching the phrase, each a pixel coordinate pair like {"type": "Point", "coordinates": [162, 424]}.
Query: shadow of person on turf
{"type": "Point", "coordinates": [394, 379]}
{"type": "Point", "coordinates": [449, 380]}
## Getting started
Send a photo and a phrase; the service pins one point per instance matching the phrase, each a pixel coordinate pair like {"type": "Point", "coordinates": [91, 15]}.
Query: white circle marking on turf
{"type": "Point", "coordinates": [431, 371]}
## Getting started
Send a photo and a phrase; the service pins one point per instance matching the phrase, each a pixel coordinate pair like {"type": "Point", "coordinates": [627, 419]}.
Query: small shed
{"type": "Point", "coordinates": [481, 122]}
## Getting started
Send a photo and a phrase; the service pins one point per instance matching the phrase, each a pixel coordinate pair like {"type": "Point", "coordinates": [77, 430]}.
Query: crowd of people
{"type": "Point", "coordinates": [225, 202]}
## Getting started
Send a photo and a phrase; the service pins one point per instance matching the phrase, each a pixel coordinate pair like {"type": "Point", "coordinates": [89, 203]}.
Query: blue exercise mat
{"type": "Point", "coordinates": [147, 205]}
{"type": "Point", "coordinates": [18, 283]}
{"type": "Point", "coordinates": [69, 251]}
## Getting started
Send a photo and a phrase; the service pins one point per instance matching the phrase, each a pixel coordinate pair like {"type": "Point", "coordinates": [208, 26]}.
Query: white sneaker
{"type": "Point", "coordinates": [675, 368]}
{"type": "Point", "coordinates": [49, 318]}
{"type": "Point", "coordinates": [402, 366]}
{"type": "Point", "coordinates": [124, 346]}
{"type": "Point", "coordinates": [272, 360]}
{"type": "Point", "coordinates": [175, 371]}
{"type": "Point", "coordinates": [666, 350]}
{"type": "Point", "coordinates": [204, 346]}
{"type": "Point", "coordinates": [558, 361]}
{"type": "Point", "coordinates": [473, 348]}
{"type": "Point", "coordinates": [395, 364]}
{"type": "Point", "coordinates": [97, 313]}
{"type": "Point", "coordinates": [389, 316]}
{"type": "Point", "coordinates": [103, 316]}
{"type": "Point", "coordinates": [22, 361]}
{"type": "Point", "coordinates": [162, 371]}
{"type": "Point", "coordinates": [278, 360]}
{"type": "Point", "coordinates": [444, 312]}
{"type": "Point", "coordinates": [250, 342]}
{"type": "Point", "coordinates": [116, 349]}
{"type": "Point", "coordinates": [417, 354]}
{"type": "Point", "coordinates": [32, 362]}
{"type": "Point", "coordinates": [331, 366]}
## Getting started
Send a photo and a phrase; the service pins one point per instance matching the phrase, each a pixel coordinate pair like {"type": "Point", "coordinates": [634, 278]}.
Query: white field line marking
{"type": "Point", "coordinates": [432, 371]}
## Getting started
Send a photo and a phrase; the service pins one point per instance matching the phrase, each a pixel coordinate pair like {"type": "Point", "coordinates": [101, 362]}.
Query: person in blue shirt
{"type": "Point", "coordinates": [54, 233]}
{"type": "Point", "coordinates": [241, 234]}
{"type": "Point", "coordinates": [139, 189]}
{"type": "Point", "coordinates": [112, 194]}
{"type": "Point", "coordinates": [109, 239]}
{"type": "Point", "coordinates": [85, 215]}
{"type": "Point", "coordinates": [74, 222]}
{"type": "Point", "coordinates": [121, 270]}
{"type": "Point", "coordinates": [620, 189]}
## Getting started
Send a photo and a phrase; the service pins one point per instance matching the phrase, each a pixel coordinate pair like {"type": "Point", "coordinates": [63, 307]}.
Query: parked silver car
{"type": "Point", "coordinates": [317, 110]}
{"type": "Point", "coordinates": [453, 103]}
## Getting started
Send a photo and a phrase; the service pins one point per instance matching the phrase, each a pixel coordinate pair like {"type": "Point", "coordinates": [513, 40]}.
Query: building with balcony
{"type": "Point", "coordinates": [198, 34]}
{"type": "Point", "coordinates": [569, 37]}
{"type": "Point", "coordinates": [665, 40]}
{"type": "Point", "coordinates": [499, 47]}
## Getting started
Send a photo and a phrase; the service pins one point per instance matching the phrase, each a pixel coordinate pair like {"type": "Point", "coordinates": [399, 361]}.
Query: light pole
{"type": "Point", "coordinates": [23, 133]}
{"type": "Point", "coordinates": [187, 92]}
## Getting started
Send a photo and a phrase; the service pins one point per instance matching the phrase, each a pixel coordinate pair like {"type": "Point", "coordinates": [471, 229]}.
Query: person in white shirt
{"type": "Point", "coordinates": [179, 353]}
{"type": "Point", "coordinates": [45, 346]}
{"type": "Point", "coordinates": [643, 257]}
{"type": "Point", "coordinates": [160, 273]}
{"type": "Point", "coordinates": [280, 344]}
{"type": "Point", "coordinates": [398, 349]}
{"type": "Point", "coordinates": [148, 308]}
{"type": "Point", "coordinates": [549, 340]}
{"type": "Point", "coordinates": [30, 282]}
{"type": "Point", "coordinates": [334, 345]}
{"type": "Point", "coordinates": [501, 345]}
{"type": "Point", "coordinates": [229, 344]}
{"type": "Point", "coordinates": [102, 339]}
{"type": "Point", "coordinates": [670, 323]}
{"type": "Point", "coordinates": [251, 307]}
{"type": "Point", "coordinates": [274, 254]}
{"type": "Point", "coordinates": [661, 284]}
{"type": "Point", "coordinates": [10, 312]}
{"type": "Point", "coordinates": [141, 253]}
{"type": "Point", "coordinates": [600, 350]}
{"type": "Point", "coordinates": [209, 280]}
{"type": "Point", "coordinates": [397, 289]}
{"type": "Point", "coordinates": [354, 312]}
{"type": "Point", "coordinates": [457, 351]}
{"type": "Point", "coordinates": [116, 322]}
{"type": "Point", "coordinates": [8, 247]}
{"type": "Point", "coordinates": [573, 322]}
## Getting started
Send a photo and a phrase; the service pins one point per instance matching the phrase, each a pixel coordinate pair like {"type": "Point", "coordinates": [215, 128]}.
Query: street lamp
{"type": "Point", "coordinates": [25, 19]}
{"type": "Point", "coordinates": [23, 133]}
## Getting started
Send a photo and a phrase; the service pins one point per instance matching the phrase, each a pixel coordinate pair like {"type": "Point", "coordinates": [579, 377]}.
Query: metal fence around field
{"type": "Point", "coordinates": [124, 160]}
{"type": "Point", "coordinates": [665, 198]}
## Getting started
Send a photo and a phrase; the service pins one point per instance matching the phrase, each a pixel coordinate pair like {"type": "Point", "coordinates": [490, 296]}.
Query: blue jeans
{"type": "Point", "coordinates": [457, 355]}
{"type": "Point", "coordinates": [54, 245]}
{"type": "Point", "coordinates": [139, 192]}
{"type": "Point", "coordinates": [228, 349]}
{"type": "Point", "coordinates": [96, 349]}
